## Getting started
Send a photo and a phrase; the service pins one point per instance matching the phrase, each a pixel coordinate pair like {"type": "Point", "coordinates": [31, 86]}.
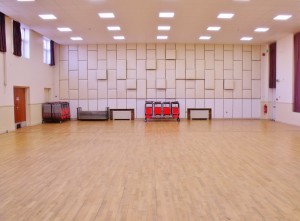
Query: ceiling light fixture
{"type": "Point", "coordinates": [213, 28]}
{"type": "Point", "coordinates": [204, 37]}
{"type": "Point", "coordinates": [246, 38]}
{"type": "Point", "coordinates": [162, 37]}
{"type": "Point", "coordinates": [282, 17]}
{"type": "Point", "coordinates": [64, 29]}
{"type": "Point", "coordinates": [106, 15]}
{"type": "Point", "coordinates": [26, 0]}
{"type": "Point", "coordinates": [163, 28]}
{"type": "Point", "coordinates": [166, 14]}
{"type": "Point", "coordinates": [261, 29]}
{"type": "Point", "coordinates": [76, 38]}
{"type": "Point", "coordinates": [225, 15]}
{"type": "Point", "coordinates": [48, 17]}
{"type": "Point", "coordinates": [119, 37]}
{"type": "Point", "coordinates": [113, 28]}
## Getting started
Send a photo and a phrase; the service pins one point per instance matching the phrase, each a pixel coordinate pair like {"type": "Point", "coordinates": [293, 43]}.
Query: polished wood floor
{"type": "Point", "coordinates": [155, 171]}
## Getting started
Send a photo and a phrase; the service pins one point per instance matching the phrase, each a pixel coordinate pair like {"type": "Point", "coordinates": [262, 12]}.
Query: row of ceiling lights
{"type": "Point", "coordinates": [110, 15]}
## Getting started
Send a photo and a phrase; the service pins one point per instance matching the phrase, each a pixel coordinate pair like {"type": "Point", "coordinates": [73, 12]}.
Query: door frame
{"type": "Point", "coordinates": [27, 109]}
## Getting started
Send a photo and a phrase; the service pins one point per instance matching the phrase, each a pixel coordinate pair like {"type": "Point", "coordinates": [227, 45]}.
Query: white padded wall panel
{"type": "Point", "coordinates": [101, 74]}
{"type": "Point", "coordinates": [182, 108]}
{"type": "Point", "coordinates": [131, 84]}
{"type": "Point", "coordinates": [73, 47]}
{"type": "Point", "coordinates": [256, 108]}
{"type": "Point", "coordinates": [228, 60]}
{"type": "Point", "coordinates": [190, 84]}
{"type": "Point", "coordinates": [161, 69]}
{"type": "Point", "coordinates": [84, 104]}
{"type": "Point", "coordinates": [92, 94]}
{"type": "Point", "coordinates": [140, 108]}
{"type": "Point", "coordinates": [160, 94]}
{"type": "Point", "coordinates": [170, 64]}
{"type": "Point", "coordinates": [92, 47]}
{"type": "Point", "coordinates": [209, 60]}
{"type": "Point", "coordinates": [246, 79]}
{"type": "Point", "coordinates": [112, 79]}
{"type": "Point", "coordinates": [102, 52]}
{"type": "Point", "coordinates": [102, 104]}
{"type": "Point", "coordinates": [237, 70]}
{"type": "Point", "coordinates": [141, 51]}
{"type": "Point", "coordinates": [180, 69]}
{"type": "Point", "coordinates": [247, 61]}
{"type": "Point", "coordinates": [247, 94]}
{"type": "Point", "coordinates": [151, 46]}
{"type": "Point", "coordinates": [73, 80]}
{"type": "Point", "coordinates": [237, 108]}
{"type": "Point", "coordinates": [73, 109]}
{"type": "Point", "coordinates": [228, 84]}
{"type": "Point", "coordinates": [238, 89]}
{"type": "Point", "coordinates": [228, 47]}
{"type": "Point", "coordinates": [190, 60]}
{"type": "Point", "coordinates": [210, 103]}
{"type": "Point", "coordinates": [190, 103]}
{"type": "Point", "coordinates": [170, 54]}
{"type": "Point", "coordinates": [151, 54]}
{"type": "Point", "coordinates": [219, 108]}
{"type": "Point", "coordinates": [121, 103]}
{"type": "Point", "coordinates": [73, 60]}
{"type": "Point", "coordinates": [190, 74]}
{"type": "Point", "coordinates": [151, 79]}
{"type": "Point", "coordinates": [199, 103]}
{"type": "Point", "coordinates": [121, 89]}
{"type": "Point", "coordinates": [238, 53]}
{"type": "Point", "coordinates": [131, 74]}
{"type": "Point", "coordinates": [256, 88]}
{"type": "Point", "coordinates": [141, 69]}
{"type": "Point", "coordinates": [200, 67]}
{"type": "Point", "coordinates": [121, 52]}
{"type": "Point", "coordinates": [247, 48]}
{"type": "Point", "coordinates": [219, 52]}
{"type": "Point", "coordinates": [200, 51]}
{"type": "Point", "coordinates": [151, 93]}
{"type": "Point", "coordinates": [112, 103]}
{"type": "Point", "coordinates": [73, 94]}
{"type": "Point", "coordinates": [170, 77]}
{"type": "Point", "coordinates": [228, 94]}
{"type": "Point", "coordinates": [228, 112]}
{"type": "Point", "coordinates": [92, 79]}
{"type": "Point", "coordinates": [131, 59]}
{"type": "Point", "coordinates": [209, 47]}
{"type": "Point", "coordinates": [151, 64]}
{"type": "Point", "coordinates": [180, 51]}
{"type": "Point", "coordinates": [190, 47]}
{"type": "Point", "coordinates": [180, 88]}
{"type": "Point", "coordinates": [131, 104]}
{"type": "Point", "coordinates": [92, 60]}
{"type": "Point", "coordinates": [64, 89]}
{"type": "Point", "coordinates": [190, 93]}
{"type": "Point", "coordinates": [256, 52]}
{"type": "Point", "coordinates": [161, 84]}
{"type": "Point", "coordinates": [121, 69]}
{"type": "Point", "coordinates": [102, 89]}
{"type": "Point", "coordinates": [228, 74]}
{"type": "Point", "coordinates": [131, 94]}
{"type": "Point", "coordinates": [131, 46]}
{"type": "Point", "coordinates": [219, 70]}
{"type": "Point", "coordinates": [171, 93]}
{"type": "Point", "coordinates": [102, 65]}
{"type": "Point", "coordinates": [111, 47]}
{"type": "Point", "coordinates": [256, 70]}
{"type": "Point", "coordinates": [111, 60]}
{"type": "Point", "coordinates": [83, 89]}
{"type": "Point", "coordinates": [219, 88]}
{"type": "Point", "coordinates": [160, 51]}
{"type": "Point", "coordinates": [63, 53]}
{"type": "Point", "coordinates": [209, 79]}
{"type": "Point", "coordinates": [141, 89]}
{"type": "Point", "coordinates": [83, 70]}
{"type": "Point", "coordinates": [200, 89]}
{"type": "Point", "coordinates": [63, 70]}
{"type": "Point", "coordinates": [209, 93]}
{"type": "Point", "coordinates": [247, 108]}
{"type": "Point", "coordinates": [111, 93]}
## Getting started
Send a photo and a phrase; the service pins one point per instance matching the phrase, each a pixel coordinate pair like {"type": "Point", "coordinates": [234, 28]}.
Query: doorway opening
{"type": "Point", "coordinates": [20, 103]}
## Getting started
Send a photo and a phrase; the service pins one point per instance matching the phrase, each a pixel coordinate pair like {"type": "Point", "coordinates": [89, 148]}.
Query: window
{"type": "Point", "coordinates": [25, 42]}
{"type": "Point", "coordinates": [47, 51]}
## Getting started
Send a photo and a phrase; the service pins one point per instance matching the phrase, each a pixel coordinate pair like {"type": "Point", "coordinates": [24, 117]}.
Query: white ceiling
{"type": "Point", "coordinates": [139, 19]}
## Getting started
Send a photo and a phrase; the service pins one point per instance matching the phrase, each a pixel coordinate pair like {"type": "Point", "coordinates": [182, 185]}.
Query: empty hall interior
{"type": "Point", "coordinates": [149, 110]}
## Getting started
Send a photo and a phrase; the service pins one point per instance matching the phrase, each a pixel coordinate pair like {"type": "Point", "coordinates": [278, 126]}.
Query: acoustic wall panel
{"type": "Point", "coordinates": [64, 89]}
{"type": "Point", "coordinates": [151, 54]}
{"type": "Point", "coordinates": [200, 89]}
{"type": "Point", "coordinates": [210, 103]}
{"type": "Point", "coordinates": [228, 60]}
{"type": "Point", "coordinates": [141, 89]}
{"type": "Point", "coordinates": [170, 54]}
{"type": "Point", "coordinates": [121, 51]}
{"type": "Point", "coordinates": [161, 84]}
{"type": "Point", "coordinates": [256, 88]}
{"type": "Point", "coordinates": [73, 80]}
{"type": "Point", "coordinates": [112, 93]}
{"type": "Point", "coordinates": [237, 70]}
{"type": "Point", "coordinates": [170, 64]}
{"type": "Point", "coordinates": [141, 51]}
{"type": "Point", "coordinates": [247, 108]}
{"type": "Point", "coordinates": [180, 88]}
{"type": "Point", "coordinates": [190, 103]}
{"type": "Point", "coordinates": [219, 70]}
{"type": "Point", "coordinates": [209, 79]}
{"type": "Point", "coordinates": [151, 93]}
{"type": "Point", "coordinates": [121, 69]}
{"type": "Point", "coordinates": [73, 109]}
{"type": "Point", "coordinates": [140, 108]}
{"type": "Point", "coordinates": [190, 60]}
{"type": "Point", "coordinates": [131, 104]}
{"type": "Point", "coordinates": [92, 79]}
{"type": "Point", "coordinates": [92, 47]}
{"type": "Point", "coordinates": [247, 79]}
{"type": "Point", "coordinates": [256, 109]}
{"type": "Point", "coordinates": [228, 47]}
{"type": "Point", "coordinates": [92, 94]}
{"type": "Point", "coordinates": [209, 60]}
{"type": "Point", "coordinates": [228, 111]}
{"type": "Point", "coordinates": [190, 74]}
{"type": "Point", "coordinates": [170, 76]}
{"type": "Point", "coordinates": [190, 93]}
{"type": "Point", "coordinates": [151, 79]}
{"type": "Point", "coordinates": [111, 60]}
{"type": "Point", "coordinates": [131, 59]}
{"type": "Point", "coordinates": [256, 70]}
{"type": "Point", "coordinates": [209, 47]}
{"type": "Point", "coordinates": [112, 79]}
{"type": "Point", "coordinates": [256, 52]}
{"type": "Point", "coordinates": [190, 84]}
{"type": "Point", "coordinates": [63, 53]}
{"type": "Point", "coordinates": [180, 51]}
{"type": "Point", "coordinates": [102, 52]}
{"type": "Point", "coordinates": [101, 74]}
{"type": "Point", "coordinates": [92, 60]}
{"type": "Point", "coordinates": [131, 46]}
{"type": "Point", "coordinates": [199, 51]}
{"type": "Point", "coordinates": [171, 46]}
{"type": "Point", "coordinates": [199, 103]}
{"type": "Point", "coordinates": [131, 74]}
{"type": "Point", "coordinates": [82, 53]}
{"type": "Point", "coordinates": [228, 74]}
{"type": "Point", "coordinates": [247, 61]}
{"type": "Point", "coordinates": [238, 53]}
{"type": "Point", "coordinates": [189, 47]}
{"type": "Point", "coordinates": [161, 51]}
{"type": "Point", "coordinates": [151, 46]}
{"type": "Point", "coordinates": [228, 94]}
{"type": "Point", "coordinates": [219, 54]}
{"type": "Point", "coordinates": [171, 93]}
{"type": "Point", "coordinates": [102, 104]}
{"type": "Point", "coordinates": [84, 104]}
{"type": "Point", "coordinates": [238, 89]}
{"type": "Point", "coordinates": [219, 87]}
{"type": "Point", "coordinates": [151, 64]}
{"type": "Point", "coordinates": [200, 67]}
{"type": "Point", "coordinates": [82, 70]}
{"type": "Point", "coordinates": [121, 103]}
{"type": "Point", "coordinates": [161, 69]}
{"type": "Point", "coordinates": [141, 69]}
{"type": "Point", "coordinates": [131, 84]}
{"type": "Point", "coordinates": [73, 60]}
{"type": "Point", "coordinates": [219, 108]}
{"type": "Point", "coordinates": [209, 93]}
{"type": "Point", "coordinates": [102, 65]}
{"type": "Point", "coordinates": [121, 89]}
{"type": "Point", "coordinates": [73, 94]}
{"type": "Point", "coordinates": [111, 47]}
{"type": "Point", "coordinates": [131, 94]}
{"type": "Point", "coordinates": [112, 103]}
{"type": "Point", "coordinates": [63, 70]}
{"type": "Point", "coordinates": [83, 89]}
{"type": "Point", "coordinates": [102, 89]}
{"type": "Point", "coordinates": [180, 69]}
{"type": "Point", "coordinates": [237, 108]}
{"type": "Point", "coordinates": [247, 48]}
{"type": "Point", "coordinates": [247, 94]}
{"type": "Point", "coordinates": [161, 94]}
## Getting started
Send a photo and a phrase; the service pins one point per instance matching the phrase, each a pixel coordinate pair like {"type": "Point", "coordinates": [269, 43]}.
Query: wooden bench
{"type": "Point", "coordinates": [122, 114]}
{"type": "Point", "coordinates": [92, 115]}
{"type": "Point", "coordinates": [199, 113]}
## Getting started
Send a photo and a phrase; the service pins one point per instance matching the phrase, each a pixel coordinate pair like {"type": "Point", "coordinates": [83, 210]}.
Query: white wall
{"type": "Point", "coordinates": [226, 78]}
{"type": "Point", "coordinates": [285, 81]}
{"type": "Point", "coordinates": [31, 73]}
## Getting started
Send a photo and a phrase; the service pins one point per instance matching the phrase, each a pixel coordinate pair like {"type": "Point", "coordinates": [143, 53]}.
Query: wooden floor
{"type": "Point", "coordinates": [131, 170]}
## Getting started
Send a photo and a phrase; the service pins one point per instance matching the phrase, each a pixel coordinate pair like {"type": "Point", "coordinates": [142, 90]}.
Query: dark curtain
{"type": "Point", "coordinates": [2, 33]}
{"type": "Point", "coordinates": [17, 39]}
{"type": "Point", "coordinates": [297, 72]}
{"type": "Point", "coordinates": [272, 73]}
{"type": "Point", "coordinates": [52, 58]}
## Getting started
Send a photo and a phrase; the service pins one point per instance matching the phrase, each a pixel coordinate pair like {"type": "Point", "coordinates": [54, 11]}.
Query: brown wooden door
{"type": "Point", "coordinates": [20, 104]}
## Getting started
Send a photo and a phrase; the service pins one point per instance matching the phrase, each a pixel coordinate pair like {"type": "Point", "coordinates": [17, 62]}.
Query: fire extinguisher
{"type": "Point", "coordinates": [265, 109]}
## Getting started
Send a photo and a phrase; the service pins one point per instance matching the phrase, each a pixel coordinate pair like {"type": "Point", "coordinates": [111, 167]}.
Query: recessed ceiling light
{"type": "Point", "coordinates": [26, 0]}
{"type": "Point", "coordinates": [106, 15]}
{"type": "Point", "coordinates": [48, 16]}
{"type": "Point", "coordinates": [282, 17]}
{"type": "Point", "coordinates": [246, 38]}
{"type": "Point", "coordinates": [76, 38]}
{"type": "Point", "coordinates": [162, 37]}
{"type": "Point", "coordinates": [225, 15]}
{"type": "Point", "coordinates": [114, 28]}
{"type": "Point", "coordinates": [166, 14]}
{"type": "Point", "coordinates": [213, 28]}
{"type": "Point", "coordinates": [241, 0]}
{"type": "Point", "coordinates": [204, 37]}
{"type": "Point", "coordinates": [64, 29]}
{"type": "Point", "coordinates": [163, 28]}
{"type": "Point", "coordinates": [261, 30]}
{"type": "Point", "coordinates": [119, 37]}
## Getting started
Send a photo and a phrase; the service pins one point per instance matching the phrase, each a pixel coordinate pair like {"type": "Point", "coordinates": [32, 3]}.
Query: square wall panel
{"type": "Point", "coordinates": [131, 94]}
{"type": "Point", "coordinates": [131, 59]}
{"type": "Point", "coordinates": [102, 104]}
{"type": "Point", "coordinates": [190, 60]}
{"type": "Point", "coordinates": [219, 70]}
{"type": "Point", "coordinates": [131, 74]}
{"type": "Point", "coordinates": [151, 65]}
{"type": "Point", "coordinates": [73, 60]}
{"type": "Point", "coordinates": [141, 89]}
{"type": "Point", "coordinates": [180, 51]}
{"type": "Point", "coordinates": [111, 60]}
{"type": "Point", "coordinates": [112, 79]}
{"type": "Point", "coordinates": [200, 67]}
{"type": "Point", "coordinates": [190, 84]}
{"type": "Point", "coordinates": [83, 89]}
{"type": "Point", "coordinates": [151, 54]}
{"type": "Point", "coordinates": [121, 52]}
{"type": "Point", "coordinates": [228, 60]}
{"type": "Point", "coordinates": [190, 93]}
{"type": "Point", "coordinates": [161, 69]}
{"type": "Point", "coordinates": [84, 104]}
{"type": "Point", "coordinates": [200, 51]}
{"type": "Point", "coordinates": [238, 53]}
{"type": "Point", "coordinates": [247, 61]}
{"type": "Point", "coordinates": [170, 54]}
{"type": "Point", "coordinates": [64, 89]}
{"type": "Point", "coordinates": [92, 79]}
{"type": "Point", "coordinates": [170, 64]}
{"type": "Point", "coordinates": [111, 94]}
{"type": "Point", "coordinates": [209, 93]}
{"type": "Point", "coordinates": [180, 89]}
{"type": "Point", "coordinates": [256, 70]}
{"type": "Point", "coordinates": [247, 80]}
{"type": "Point", "coordinates": [171, 93]}
{"type": "Point", "coordinates": [73, 80]}
{"type": "Point", "coordinates": [102, 52]}
{"type": "Point", "coordinates": [161, 84]}
{"type": "Point", "coordinates": [151, 79]}
{"type": "Point", "coordinates": [209, 60]}
{"type": "Point", "coordinates": [112, 103]}
{"type": "Point", "coordinates": [228, 84]}
{"type": "Point", "coordinates": [73, 94]}
{"type": "Point", "coordinates": [256, 88]}
{"type": "Point", "coordinates": [102, 89]}
{"type": "Point", "coordinates": [228, 74]}
{"type": "Point", "coordinates": [190, 103]}
{"type": "Point", "coordinates": [121, 103]}
{"type": "Point", "coordinates": [83, 70]}
{"type": "Point", "coordinates": [170, 77]}
{"type": "Point", "coordinates": [238, 89]}
{"type": "Point", "coordinates": [161, 51]}
{"type": "Point", "coordinates": [228, 94]}
{"type": "Point", "coordinates": [190, 74]}
{"type": "Point", "coordinates": [151, 93]}
{"type": "Point", "coordinates": [247, 94]}
{"type": "Point", "coordinates": [141, 51]}
{"type": "Point", "coordinates": [160, 94]}
{"type": "Point", "coordinates": [92, 60]}
{"type": "Point", "coordinates": [63, 70]}
{"type": "Point", "coordinates": [219, 87]}
{"type": "Point", "coordinates": [180, 69]}
{"type": "Point", "coordinates": [121, 69]}
{"type": "Point", "coordinates": [101, 74]}
{"type": "Point", "coordinates": [92, 94]}
{"type": "Point", "coordinates": [141, 69]}
{"type": "Point", "coordinates": [199, 103]}
{"type": "Point", "coordinates": [121, 89]}
{"type": "Point", "coordinates": [237, 70]}
{"type": "Point", "coordinates": [219, 52]}
{"type": "Point", "coordinates": [102, 65]}
{"type": "Point", "coordinates": [200, 89]}
{"type": "Point", "coordinates": [209, 79]}
{"type": "Point", "coordinates": [131, 84]}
